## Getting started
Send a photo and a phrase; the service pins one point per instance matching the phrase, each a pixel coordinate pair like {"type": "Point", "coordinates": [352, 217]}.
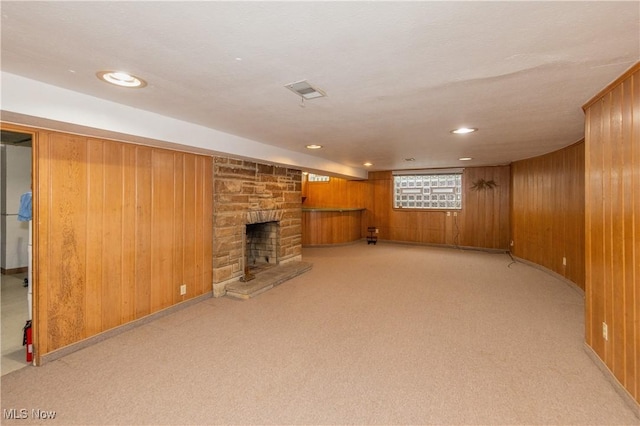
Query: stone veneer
{"type": "Point", "coordinates": [247, 192]}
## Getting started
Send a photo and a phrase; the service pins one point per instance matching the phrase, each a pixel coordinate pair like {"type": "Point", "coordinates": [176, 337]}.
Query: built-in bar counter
{"type": "Point", "coordinates": [331, 225]}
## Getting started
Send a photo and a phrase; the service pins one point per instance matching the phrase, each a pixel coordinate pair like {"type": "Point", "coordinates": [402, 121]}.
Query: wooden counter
{"type": "Point", "coordinates": [331, 225]}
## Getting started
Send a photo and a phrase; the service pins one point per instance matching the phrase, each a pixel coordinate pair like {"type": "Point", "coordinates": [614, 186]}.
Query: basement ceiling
{"type": "Point", "coordinates": [398, 76]}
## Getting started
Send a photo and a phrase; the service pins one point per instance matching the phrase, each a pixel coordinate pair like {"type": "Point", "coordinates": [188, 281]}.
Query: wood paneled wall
{"type": "Point", "coordinates": [336, 193]}
{"type": "Point", "coordinates": [404, 225]}
{"type": "Point", "coordinates": [612, 147]}
{"type": "Point", "coordinates": [547, 211]}
{"type": "Point", "coordinates": [485, 213]}
{"type": "Point", "coordinates": [119, 227]}
{"type": "Point", "coordinates": [483, 221]}
{"type": "Point", "coordinates": [331, 227]}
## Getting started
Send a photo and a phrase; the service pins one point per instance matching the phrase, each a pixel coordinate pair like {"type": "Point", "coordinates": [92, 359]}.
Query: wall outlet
{"type": "Point", "coordinates": [511, 243]}
{"type": "Point", "coordinates": [377, 230]}
{"type": "Point", "coordinates": [564, 261]}
{"type": "Point", "coordinates": [448, 213]}
{"type": "Point", "coordinates": [455, 213]}
{"type": "Point", "coordinates": [183, 289]}
{"type": "Point", "coordinates": [605, 331]}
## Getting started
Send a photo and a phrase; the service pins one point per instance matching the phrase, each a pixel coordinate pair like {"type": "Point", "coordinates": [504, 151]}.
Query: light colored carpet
{"type": "Point", "coordinates": [385, 334]}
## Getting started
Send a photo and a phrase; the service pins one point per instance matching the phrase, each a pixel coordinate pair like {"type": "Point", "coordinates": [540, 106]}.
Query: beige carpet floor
{"type": "Point", "coordinates": [385, 334]}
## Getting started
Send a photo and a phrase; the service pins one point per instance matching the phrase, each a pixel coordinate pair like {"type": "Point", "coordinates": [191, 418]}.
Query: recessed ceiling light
{"type": "Point", "coordinates": [367, 164]}
{"type": "Point", "coordinates": [464, 130]}
{"type": "Point", "coordinates": [410, 159]}
{"type": "Point", "coordinates": [121, 79]}
{"type": "Point", "coordinates": [314, 146]}
{"type": "Point", "coordinates": [465, 158]}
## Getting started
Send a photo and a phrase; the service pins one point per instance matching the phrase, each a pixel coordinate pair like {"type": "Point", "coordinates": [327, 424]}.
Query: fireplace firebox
{"type": "Point", "coordinates": [261, 247]}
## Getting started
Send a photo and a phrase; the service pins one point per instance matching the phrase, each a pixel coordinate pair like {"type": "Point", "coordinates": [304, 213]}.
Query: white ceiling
{"type": "Point", "coordinates": [398, 75]}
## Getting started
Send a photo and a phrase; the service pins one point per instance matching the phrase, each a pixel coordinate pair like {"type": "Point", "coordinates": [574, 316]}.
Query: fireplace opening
{"type": "Point", "coordinates": [261, 247]}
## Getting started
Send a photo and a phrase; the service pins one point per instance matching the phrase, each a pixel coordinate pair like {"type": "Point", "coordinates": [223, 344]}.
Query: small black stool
{"type": "Point", "coordinates": [372, 238]}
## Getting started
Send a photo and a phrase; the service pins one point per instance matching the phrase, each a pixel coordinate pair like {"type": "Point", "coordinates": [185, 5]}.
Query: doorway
{"type": "Point", "coordinates": [15, 245]}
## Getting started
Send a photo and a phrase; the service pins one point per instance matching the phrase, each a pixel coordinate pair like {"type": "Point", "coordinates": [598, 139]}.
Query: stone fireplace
{"type": "Point", "coordinates": [253, 201]}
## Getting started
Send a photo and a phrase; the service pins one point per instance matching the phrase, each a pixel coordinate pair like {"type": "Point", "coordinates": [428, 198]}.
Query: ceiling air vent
{"type": "Point", "coordinates": [304, 89]}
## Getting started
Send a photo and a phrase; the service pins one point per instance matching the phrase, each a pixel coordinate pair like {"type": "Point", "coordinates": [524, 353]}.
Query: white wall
{"type": "Point", "coordinates": [15, 181]}
{"type": "Point", "coordinates": [29, 102]}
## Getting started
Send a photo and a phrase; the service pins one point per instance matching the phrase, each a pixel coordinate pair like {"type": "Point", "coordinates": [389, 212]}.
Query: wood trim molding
{"type": "Point", "coordinates": [611, 378]}
{"type": "Point", "coordinates": [74, 347]}
{"type": "Point", "coordinates": [628, 73]}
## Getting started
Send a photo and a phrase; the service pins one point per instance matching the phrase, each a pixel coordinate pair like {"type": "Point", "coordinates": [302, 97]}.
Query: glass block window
{"type": "Point", "coordinates": [428, 191]}
{"type": "Point", "coordinates": [317, 178]}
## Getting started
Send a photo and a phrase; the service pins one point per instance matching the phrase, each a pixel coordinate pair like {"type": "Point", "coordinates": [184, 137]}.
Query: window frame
{"type": "Point", "coordinates": [316, 178]}
{"type": "Point", "coordinates": [431, 174]}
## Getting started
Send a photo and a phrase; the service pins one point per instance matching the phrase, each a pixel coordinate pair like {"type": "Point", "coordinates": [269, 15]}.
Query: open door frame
{"type": "Point", "coordinates": [33, 276]}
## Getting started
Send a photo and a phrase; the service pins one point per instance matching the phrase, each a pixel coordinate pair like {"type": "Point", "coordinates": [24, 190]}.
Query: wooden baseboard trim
{"type": "Point", "coordinates": [552, 273]}
{"type": "Point", "coordinates": [409, 243]}
{"type": "Point", "coordinates": [59, 353]}
{"type": "Point", "coordinates": [624, 393]}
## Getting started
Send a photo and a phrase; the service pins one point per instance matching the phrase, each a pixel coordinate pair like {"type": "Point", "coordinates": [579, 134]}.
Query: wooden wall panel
{"type": "Point", "coordinates": [179, 228]}
{"type": "Point", "coordinates": [144, 189]}
{"type": "Point", "coordinates": [330, 227]}
{"type": "Point", "coordinates": [547, 211]}
{"type": "Point", "coordinates": [95, 213]}
{"type": "Point", "coordinates": [341, 193]}
{"type": "Point", "coordinates": [337, 193]}
{"type": "Point", "coordinates": [128, 258]}
{"type": "Point", "coordinates": [485, 213]}
{"type": "Point", "coordinates": [162, 228]}
{"type": "Point", "coordinates": [205, 215]}
{"type": "Point", "coordinates": [631, 132]}
{"type": "Point", "coordinates": [483, 221]}
{"type": "Point", "coordinates": [112, 236]}
{"type": "Point", "coordinates": [65, 311]}
{"type": "Point", "coordinates": [573, 214]}
{"type": "Point", "coordinates": [199, 228]}
{"type": "Point", "coordinates": [612, 212]}
{"type": "Point", "coordinates": [633, 322]}
{"type": "Point", "coordinates": [189, 235]}
{"type": "Point", "coordinates": [119, 228]}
